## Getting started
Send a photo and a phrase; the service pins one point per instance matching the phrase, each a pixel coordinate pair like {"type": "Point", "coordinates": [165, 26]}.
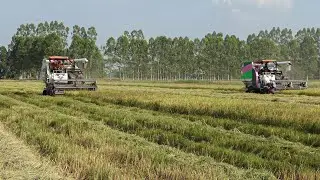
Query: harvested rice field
{"type": "Point", "coordinates": [159, 130]}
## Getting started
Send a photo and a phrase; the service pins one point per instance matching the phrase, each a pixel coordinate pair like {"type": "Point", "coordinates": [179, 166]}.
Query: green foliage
{"type": "Point", "coordinates": [84, 45]}
{"type": "Point", "coordinates": [31, 43]}
{"type": "Point", "coordinates": [216, 56]}
{"type": "Point", "coordinates": [3, 61]}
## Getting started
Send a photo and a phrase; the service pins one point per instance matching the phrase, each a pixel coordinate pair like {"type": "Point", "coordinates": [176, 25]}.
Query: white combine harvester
{"type": "Point", "coordinates": [61, 73]}
{"type": "Point", "coordinates": [269, 76]}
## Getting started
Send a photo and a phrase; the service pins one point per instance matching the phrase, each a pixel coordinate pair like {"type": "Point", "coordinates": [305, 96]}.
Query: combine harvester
{"type": "Point", "coordinates": [61, 74]}
{"type": "Point", "coordinates": [269, 76]}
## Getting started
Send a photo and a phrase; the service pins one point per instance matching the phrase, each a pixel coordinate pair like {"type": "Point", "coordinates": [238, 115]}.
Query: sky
{"type": "Point", "coordinates": [192, 18]}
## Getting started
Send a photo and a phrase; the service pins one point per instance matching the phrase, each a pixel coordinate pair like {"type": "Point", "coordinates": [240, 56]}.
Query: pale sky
{"type": "Point", "coordinates": [192, 18]}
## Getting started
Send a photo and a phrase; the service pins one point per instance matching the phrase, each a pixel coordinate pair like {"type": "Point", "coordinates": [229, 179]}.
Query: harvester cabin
{"type": "Point", "coordinates": [57, 63]}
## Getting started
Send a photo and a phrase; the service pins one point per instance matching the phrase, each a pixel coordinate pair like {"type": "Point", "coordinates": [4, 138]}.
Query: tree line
{"type": "Point", "coordinates": [133, 56]}
{"type": "Point", "coordinates": [32, 43]}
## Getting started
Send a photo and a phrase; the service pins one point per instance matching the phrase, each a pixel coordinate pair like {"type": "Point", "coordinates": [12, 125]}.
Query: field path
{"type": "Point", "coordinates": [17, 161]}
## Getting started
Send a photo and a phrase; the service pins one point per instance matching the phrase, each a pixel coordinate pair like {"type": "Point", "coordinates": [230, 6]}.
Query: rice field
{"type": "Point", "coordinates": [165, 130]}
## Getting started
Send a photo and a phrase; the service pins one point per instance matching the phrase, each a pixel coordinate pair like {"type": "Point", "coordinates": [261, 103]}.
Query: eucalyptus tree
{"type": "Point", "coordinates": [309, 56]}
{"type": "Point", "coordinates": [3, 61]}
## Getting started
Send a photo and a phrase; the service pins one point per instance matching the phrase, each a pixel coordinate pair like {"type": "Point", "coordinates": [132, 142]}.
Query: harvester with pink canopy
{"type": "Point", "coordinates": [269, 76]}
